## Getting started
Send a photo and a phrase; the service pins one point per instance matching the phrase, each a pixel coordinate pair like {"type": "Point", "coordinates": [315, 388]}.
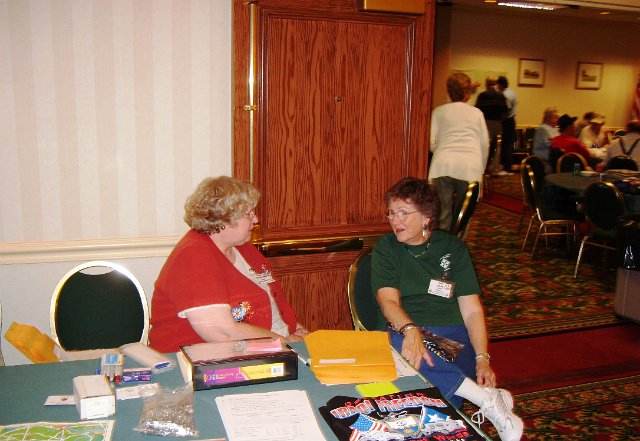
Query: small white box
{"type": "Point", "coordinates": [94, 397]}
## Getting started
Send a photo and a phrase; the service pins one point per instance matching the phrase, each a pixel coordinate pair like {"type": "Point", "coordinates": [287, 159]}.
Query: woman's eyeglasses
{"type": "Point", "coordinates": [251, 214]}
{"type": "Point", "coordinates": [401, 215]}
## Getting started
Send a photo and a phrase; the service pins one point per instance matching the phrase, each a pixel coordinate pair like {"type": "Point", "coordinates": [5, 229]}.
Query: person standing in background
{"type": "Point", "coordinates": [459, 141]}
{"type": "Point", "coordinates": [493, 106]}
{"type": "Point", "coordinates": [508, 125]}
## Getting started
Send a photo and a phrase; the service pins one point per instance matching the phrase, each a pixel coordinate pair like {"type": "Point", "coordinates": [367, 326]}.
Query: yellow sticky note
{"type": "Point", "coordinates": [377, 389]}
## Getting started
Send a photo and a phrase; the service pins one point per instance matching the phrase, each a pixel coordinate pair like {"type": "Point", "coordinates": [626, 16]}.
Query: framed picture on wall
{"type": "Point", "coordinates": [531, 72]}
{"type": "Point", "coordinates": [589, 75]}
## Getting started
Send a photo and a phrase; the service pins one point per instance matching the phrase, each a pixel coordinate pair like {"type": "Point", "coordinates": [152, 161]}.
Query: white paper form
{"type": "Point", "coordinates": [271, 416]}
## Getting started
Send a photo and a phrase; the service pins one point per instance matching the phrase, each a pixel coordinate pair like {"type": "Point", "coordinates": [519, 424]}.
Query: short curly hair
{"type": "Point", "coordinates": [218, 202]}
{"type": "Point", "coordinates": [419, 193]}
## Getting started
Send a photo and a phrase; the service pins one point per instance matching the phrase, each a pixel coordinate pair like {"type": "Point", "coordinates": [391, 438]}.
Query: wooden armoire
{"type": "Point", "coordinates": [331, 107]}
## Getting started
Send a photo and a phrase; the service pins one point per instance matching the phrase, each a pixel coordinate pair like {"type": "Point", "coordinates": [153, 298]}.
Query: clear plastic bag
{"type": "Point", "coordinates": [169, 412]}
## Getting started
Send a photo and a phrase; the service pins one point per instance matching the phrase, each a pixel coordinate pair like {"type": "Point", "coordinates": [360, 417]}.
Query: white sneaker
{"type": "Point", "coordinates": [497, 409]}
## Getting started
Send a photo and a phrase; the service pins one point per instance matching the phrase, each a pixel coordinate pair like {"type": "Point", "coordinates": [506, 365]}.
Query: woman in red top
{"type": "Point", "coordinates": [215, 285]}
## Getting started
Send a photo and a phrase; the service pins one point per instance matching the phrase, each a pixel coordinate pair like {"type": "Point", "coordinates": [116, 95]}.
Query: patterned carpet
{"type": "Point", "coordinates": [525, 297]}
{"type": "Point", "coordinates": [603, 411]}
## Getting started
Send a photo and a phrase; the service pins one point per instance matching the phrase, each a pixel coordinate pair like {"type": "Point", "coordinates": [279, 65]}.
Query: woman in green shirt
{"type": "Point", "coordinates": [423, 279]}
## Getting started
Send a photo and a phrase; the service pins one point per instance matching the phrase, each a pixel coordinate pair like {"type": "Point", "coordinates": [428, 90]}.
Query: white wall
{"type": "Point", "coordinates": [495, 42]}
{"type": "Point", "coordinates": [112, 112]}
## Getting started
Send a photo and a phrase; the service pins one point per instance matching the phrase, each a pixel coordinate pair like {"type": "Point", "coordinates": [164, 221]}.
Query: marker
{"type": "Point", "coordinates": [300, 357]}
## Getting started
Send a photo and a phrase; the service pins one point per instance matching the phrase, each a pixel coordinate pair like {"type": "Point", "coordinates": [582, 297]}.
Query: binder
{"type": "Point", "coordinates": [345, 357]}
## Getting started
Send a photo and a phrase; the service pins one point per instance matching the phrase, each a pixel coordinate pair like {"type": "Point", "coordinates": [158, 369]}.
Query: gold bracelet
{"type": "Point", "coordinates": [484, 355]}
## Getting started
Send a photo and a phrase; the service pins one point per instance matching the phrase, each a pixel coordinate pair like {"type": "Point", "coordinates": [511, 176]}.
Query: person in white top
{"type": "Point", "coordinates": [459, 142]}
{"type": "Point", "coordinates": [595, 136]}
{"type": "Point", "coordinates": [627, 145]}
{"type": "Point", "coordinates": [545, 133]}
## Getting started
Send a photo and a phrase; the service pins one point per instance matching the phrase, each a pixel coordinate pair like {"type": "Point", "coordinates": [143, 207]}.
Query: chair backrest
{"type": "Point", "coordinates": [529, 134]}
{"type": "Point", "coordinates": [468, 207]}
{"type": "Point", "coordinates": [538, 168]}
{"type": "Point", "coordinates": [603, 205]}
{"type": "Point", "coordinates": [554, 155]}
{"type": "Point", "coordinates": [98, 305]}
{"type": "Point", "coordinates": [362, 301]}
{"type": "Point", "coordinates": [567, 161]}
{"type": "Point", "coordinates": [529, 187]}
{"type": "Point", "coordinates": [623, 162]}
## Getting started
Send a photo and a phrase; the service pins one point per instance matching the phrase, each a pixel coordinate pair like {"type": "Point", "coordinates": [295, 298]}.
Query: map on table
{"type": "Point", "coordinates": [99, 430]}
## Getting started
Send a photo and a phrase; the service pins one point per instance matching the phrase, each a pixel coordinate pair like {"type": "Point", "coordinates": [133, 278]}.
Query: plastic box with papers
{"type": "Point", "coordinates": [235, 363]}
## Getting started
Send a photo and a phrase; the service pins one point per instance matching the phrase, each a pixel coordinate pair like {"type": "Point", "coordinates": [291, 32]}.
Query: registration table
{"type": "Point", "coordinates": [25, 388]}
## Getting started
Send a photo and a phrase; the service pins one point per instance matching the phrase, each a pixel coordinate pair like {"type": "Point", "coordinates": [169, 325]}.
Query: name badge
{"type": "Point", "coordinates": [441, 288]}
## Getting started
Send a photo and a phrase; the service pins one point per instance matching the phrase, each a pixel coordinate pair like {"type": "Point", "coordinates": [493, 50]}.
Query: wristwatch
{"type": "Point", "coordinates": [484, 355]}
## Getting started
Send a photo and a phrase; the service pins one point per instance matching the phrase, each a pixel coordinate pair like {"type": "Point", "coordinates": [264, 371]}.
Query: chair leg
{"type": "Point", "coordinates": [526, 236]}
{"type": "Point", "coordinates": [535, 242]}
{"type": "Point", "coordinates": [575, 272]}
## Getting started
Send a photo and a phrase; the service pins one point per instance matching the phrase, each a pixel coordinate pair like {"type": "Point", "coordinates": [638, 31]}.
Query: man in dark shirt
{"type": "Point", "coordinates": [493, 105]}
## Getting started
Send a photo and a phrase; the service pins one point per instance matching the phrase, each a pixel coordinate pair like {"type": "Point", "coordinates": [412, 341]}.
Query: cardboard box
{"type": "Point", "coordinates": [235, 363]}
{"type": "Point", "coordinates": [94, 397]}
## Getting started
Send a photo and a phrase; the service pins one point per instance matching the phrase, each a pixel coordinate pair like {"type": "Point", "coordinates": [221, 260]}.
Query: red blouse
{"type": "Point", "coordinates": [196, 273]}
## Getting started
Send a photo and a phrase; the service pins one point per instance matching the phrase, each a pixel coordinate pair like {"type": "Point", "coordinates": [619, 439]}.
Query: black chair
{"type": "Point", "coordinates": [471, 198]}
{"type": "Point", "coordinates": [98, 305]}
{"type": "Point", "coordinates": [549, 222]}
{"type": "Point", "coordinates": [554, 155]}
{"type": "Point", "coordinates": [603, 205]}
{"type": "Point", "coordinates": [622, 162]}
{"type": "Point", "coordinates": [567, 162]}
{"type": "Point", "coordinates": [539, 172]}
{"type": "Point", "coordinates": [362, 301]}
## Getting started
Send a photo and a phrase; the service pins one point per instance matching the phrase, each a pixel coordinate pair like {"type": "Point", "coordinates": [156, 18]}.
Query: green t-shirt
{"type": "Point", "coordinates": [410, 270]}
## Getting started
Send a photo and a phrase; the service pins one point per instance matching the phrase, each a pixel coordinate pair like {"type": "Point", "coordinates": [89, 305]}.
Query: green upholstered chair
{"type": "Point", "coordinates": [362, 302]}
{"type": "Point", "coordinates": [460, 227]}
{"type": "Point", "coordinates": [98, 305]}
{"type": "Point", "coordinates": [603, 205]}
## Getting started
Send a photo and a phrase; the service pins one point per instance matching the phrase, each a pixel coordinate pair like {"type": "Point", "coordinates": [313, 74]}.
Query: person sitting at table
{"type": "Point", "coordinates": [423, 279]}
{"type": "Point", "coordinates": [595, 137]}
{"type": "Point", "coordinates": [544, 134]}
{"type": "Point", "coordinates": [567, 142]}
{"type": "Point", "coordinates": [215, 285]}
{"type": "Point", "coordinates": [628, 144]}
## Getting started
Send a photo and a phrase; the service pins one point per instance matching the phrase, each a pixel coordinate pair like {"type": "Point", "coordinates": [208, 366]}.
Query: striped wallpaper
{"type": "Point", "coordinates": [111, 111]}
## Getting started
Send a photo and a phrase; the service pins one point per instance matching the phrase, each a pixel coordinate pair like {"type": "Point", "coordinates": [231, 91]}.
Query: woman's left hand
{"type": "Point", "coordinates": [484, 374]}
{"type": "Point", "coordinates": [301, 331]}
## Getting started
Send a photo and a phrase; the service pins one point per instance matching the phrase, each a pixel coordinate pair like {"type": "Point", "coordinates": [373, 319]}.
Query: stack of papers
{"type": "Point", "coordinates": [270, 416]}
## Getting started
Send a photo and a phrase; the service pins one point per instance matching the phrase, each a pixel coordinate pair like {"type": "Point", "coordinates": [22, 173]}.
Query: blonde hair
{"type": "Point", "coordinates": [218, 202]}
{"type": "Point", "coordinates": [457, 84]}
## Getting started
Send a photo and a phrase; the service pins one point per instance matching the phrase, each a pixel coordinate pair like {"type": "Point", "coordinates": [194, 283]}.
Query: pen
{"type": "Point", "coordinates": [300, 357]}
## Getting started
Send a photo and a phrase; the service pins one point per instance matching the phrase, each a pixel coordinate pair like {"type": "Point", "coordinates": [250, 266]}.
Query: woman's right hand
{"type": "Point", "coordinates": [414, 350]}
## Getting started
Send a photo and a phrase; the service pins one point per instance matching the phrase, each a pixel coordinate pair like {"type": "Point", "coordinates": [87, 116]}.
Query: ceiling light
{"type": "Point", "coordinates": [532, 5]}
